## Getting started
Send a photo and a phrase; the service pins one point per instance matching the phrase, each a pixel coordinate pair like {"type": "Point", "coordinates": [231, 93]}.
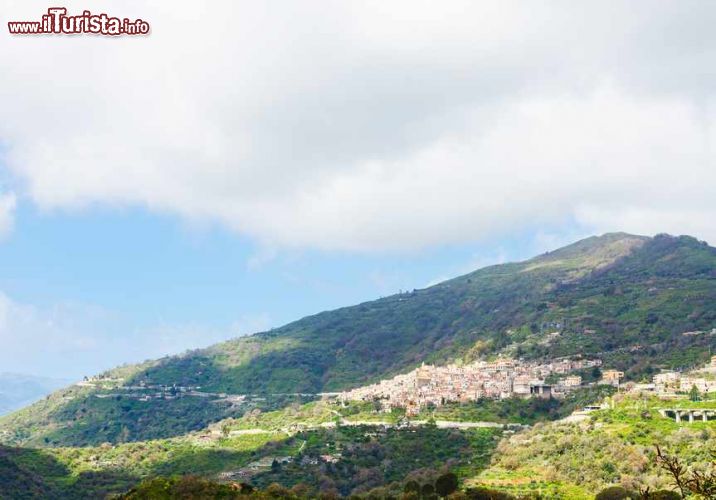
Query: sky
{"type": "Point", "coordinates": [249, 163]}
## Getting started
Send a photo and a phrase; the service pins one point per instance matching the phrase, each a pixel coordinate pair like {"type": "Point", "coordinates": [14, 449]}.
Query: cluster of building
{"type": "Point", "coordinates": [671, 382]}
{"type": "Point", "coordinates": [504, 378]}
{"type": "Point", "coordinates": [431, 385]}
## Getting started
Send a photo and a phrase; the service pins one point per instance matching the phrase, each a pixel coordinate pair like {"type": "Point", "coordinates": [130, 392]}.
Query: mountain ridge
{"type": "Point", "coordinates": [630, 296]}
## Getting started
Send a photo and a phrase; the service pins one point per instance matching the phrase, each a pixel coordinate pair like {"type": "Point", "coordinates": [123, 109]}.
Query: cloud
{"type": "Point", "coordinates": [7, 213]}
{"type": "Point", "coordinates": [374, 126]}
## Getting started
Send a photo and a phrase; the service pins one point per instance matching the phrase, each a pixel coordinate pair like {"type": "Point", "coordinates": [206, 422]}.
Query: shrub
{"type": "Point", "coordinates": [664, 495]}
{"type": "Point", "coordinates": [446, 484]}
{"type": "Point", "coordinates": [487, 494]}
{"type": "Point", "coordinates": [616, 493]}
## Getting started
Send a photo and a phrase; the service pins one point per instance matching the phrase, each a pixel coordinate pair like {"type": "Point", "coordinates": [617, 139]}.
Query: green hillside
{"type": "Point", "coordinates": [614, 446]}
{"type": "Point", "coordinates": [326, 448]}
{"type": "Point", "coordinates": [629, 290]}
{"type": "Point", "coordinates": [627, 298]}
{"type": "Point", "coordinates": [365, 457]}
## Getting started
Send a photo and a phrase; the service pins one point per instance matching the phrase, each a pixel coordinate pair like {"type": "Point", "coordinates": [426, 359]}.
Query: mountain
{"type": "Point", "coordinates": [18, 390]}
{"type": "Point", "coordinates": [628, 299]}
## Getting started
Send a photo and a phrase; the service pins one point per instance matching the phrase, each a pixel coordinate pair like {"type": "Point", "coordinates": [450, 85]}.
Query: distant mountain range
{"type": "Point", "coordinates": [628, 299]}
{"type": "Point", "coordinates": [18, 390]}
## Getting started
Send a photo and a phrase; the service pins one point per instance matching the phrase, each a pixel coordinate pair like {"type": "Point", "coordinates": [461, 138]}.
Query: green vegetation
{"type": "Point", "coordinates": [78, 416]}
{"type": "Point", "coordinates": [625, 298]}
{"type": "Point", "coordinates": [365, 457]}
{"type": "Point", "coordinates": [292, 416]}
{"type": "Point", "coordinates": [94, 472]}
{"type": "Point", "coordinates": [359, 459]}
{"type": "Point", "coordinates": [519, 410]}
{"type": "Point", "coordinates": [194, 488]}
{"type": "Point", "coordinates": [120, 419]}
{"type": "Point", "coordinates": [303, 451]}
{"type": "Point", "coordinates": [188, 488]}
{"type": "Point", "coordinates": [613, 446]}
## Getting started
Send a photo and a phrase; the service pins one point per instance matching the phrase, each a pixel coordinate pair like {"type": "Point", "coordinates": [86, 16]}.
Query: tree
{"type": "Point", "coordinates": [694, 393]}
{"type": "Point", "coordinates": [246, 488]}
{"type": "Point", "coordinates": [301, 490]}
{"type": "Point", "coordinates": [427, 491]}
{"type": "Point", "coordinates": [446, 484]}
{"type": "Point", "coordinates": [673, 466]}
{"type": "Point", "coordinates": [411, 487]}
{"type": "Point", "coordinates": [701, 483]}
{"type": "Point", "coordinates": [275, 490]}
{"type": "Point", "coordinates": [124, 435]}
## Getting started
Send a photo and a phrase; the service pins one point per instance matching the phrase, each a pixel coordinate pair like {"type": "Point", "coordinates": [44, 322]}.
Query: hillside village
{"type": "Point", "coordinates": [671, 382]}
{"type": "Point", "coordinates": [431, 385]}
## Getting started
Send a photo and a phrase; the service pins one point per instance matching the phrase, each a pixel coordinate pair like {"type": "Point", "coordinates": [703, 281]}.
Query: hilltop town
{"type": "Point", "coordinates": [431, 385]}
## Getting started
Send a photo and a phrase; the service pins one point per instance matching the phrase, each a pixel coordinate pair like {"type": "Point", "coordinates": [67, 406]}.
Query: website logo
{"type": "Point", "coordinates": [57, 22]}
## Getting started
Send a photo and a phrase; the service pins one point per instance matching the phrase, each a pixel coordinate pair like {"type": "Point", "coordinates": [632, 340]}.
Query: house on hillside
{"type": "Point", "coordinates": [541, 391]}
{"type": "Point", "coordinates": [611, 377]}
{"type": "Point", "coordinates": [667, 382]}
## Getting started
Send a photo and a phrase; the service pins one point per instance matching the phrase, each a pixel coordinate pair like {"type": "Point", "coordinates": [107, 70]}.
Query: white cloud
{"type": "Point", "coordinates": [374, 125]}
{"type": "Point", "coordinates": [7, 213]}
